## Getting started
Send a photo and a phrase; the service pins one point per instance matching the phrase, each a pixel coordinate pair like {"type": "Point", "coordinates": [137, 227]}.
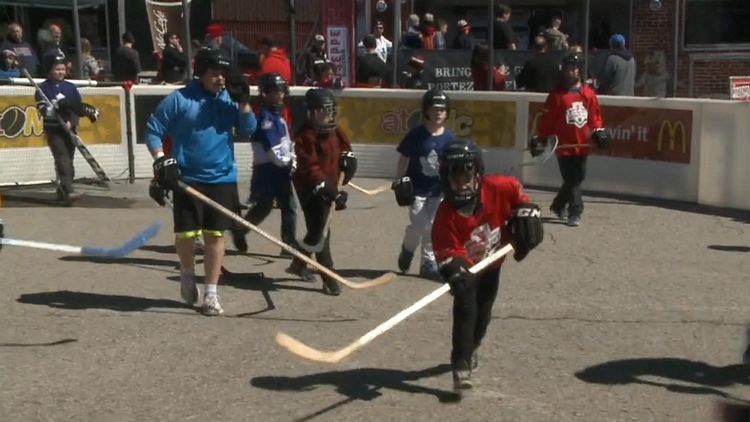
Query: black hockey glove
{"type": "Point", "coordinates": [157, 193]}
{"type": "Point", "coordinates": [526, 229]}
{"type": "Point", "coordinates": [325, 192]}
{"type": "Point", "coordinates": [456, 273]}
{"type": "Point", "coordinates": [167, 172]}
{"type": "Point", "coordinates": [537, 145]}
{"type": "Point", "coordinates": [348, 165]}
{"type": "Point", "coordinates": [90, 112]}
{"type": "Point", "coordinates": [404, 191]}
{"type": "Point", "coordinates": [340, 200]}
{"type": "Point", "coordinates": [601, 138]}
{"type": "Point", "coordinates": [237, 86]}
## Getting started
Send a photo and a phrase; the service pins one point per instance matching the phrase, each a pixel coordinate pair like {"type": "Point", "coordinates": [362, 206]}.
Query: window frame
{"type": "Point", "coordinates": [704, 47]}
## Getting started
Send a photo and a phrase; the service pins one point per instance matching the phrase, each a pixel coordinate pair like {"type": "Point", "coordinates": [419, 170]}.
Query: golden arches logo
{"type": "Point", "coordinates": [671, 130]}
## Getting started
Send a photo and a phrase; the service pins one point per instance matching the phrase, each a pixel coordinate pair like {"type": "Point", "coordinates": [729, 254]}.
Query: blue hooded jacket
{"type": "Point", "coordinates": [202, 128]}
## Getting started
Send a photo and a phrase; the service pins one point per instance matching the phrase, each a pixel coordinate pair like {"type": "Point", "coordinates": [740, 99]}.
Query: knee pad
{"type": "Point", "coordinates": [214, 233]}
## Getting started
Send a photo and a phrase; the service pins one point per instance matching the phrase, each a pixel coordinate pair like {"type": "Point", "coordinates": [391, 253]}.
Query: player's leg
{"type": "Point", "coordinates": [464, 324]}
{"type": "Point", "coordinates": [428, 268]}
{"type": "Point", "coordinates": [260, 209]}
{"type": "Point", "coordinates": [315, 220]}
{"type": "Point", "coordinates": [561, 200]}
{"type": "Point", "coordinates": [324, 257]}
{"type": "Point", "coordinates": [215, 224]}
{"type": "Point", "coordinates": [188, 214]}
{"type": "Point", "coordinates": [412, 234]}
{"type": "Point", "coordinates": [56, 140]}
{"type": "Point", "coordinates": [487, 287]}
{"type": "Point", "coordinates": [577, 175]}
{"type": "Point", "coordinates": [288, 206]}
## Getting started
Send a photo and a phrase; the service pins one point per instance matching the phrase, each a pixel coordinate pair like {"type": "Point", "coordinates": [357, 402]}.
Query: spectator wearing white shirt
{"type": "Point", "coordinates": [384, 45]}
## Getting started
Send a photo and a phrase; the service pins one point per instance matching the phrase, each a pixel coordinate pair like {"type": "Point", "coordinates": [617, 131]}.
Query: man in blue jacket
{"type": "Point", "coordinates": [201, 119]}
{"type": "Point", "coordinates": [273, 163]}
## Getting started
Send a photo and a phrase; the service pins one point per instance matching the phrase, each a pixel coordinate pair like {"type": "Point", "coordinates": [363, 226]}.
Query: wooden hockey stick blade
{"type": "Point", "coordinates": [371, 192]}
{"type": "Point", "coordinates": [383, 279]}
{"type": "Point", "coordinates": [300, 349]}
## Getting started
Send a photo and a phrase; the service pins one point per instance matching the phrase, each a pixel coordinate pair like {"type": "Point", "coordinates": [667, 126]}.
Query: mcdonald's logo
{"type": "Point", "coordinates": [672, 133]}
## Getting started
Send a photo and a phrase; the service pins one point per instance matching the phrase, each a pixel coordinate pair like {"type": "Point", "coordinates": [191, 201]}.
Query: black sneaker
{"type": "Point", "coordinates": [331, 287]}
{"type": "Point", "coordinates": [239, 240]}
{"type": "Point", "coordinates": [298, 268]}
{"type": "Point", "coordinates": [462, 379]}
{"type": "Point", "coordinates": [474, 363]}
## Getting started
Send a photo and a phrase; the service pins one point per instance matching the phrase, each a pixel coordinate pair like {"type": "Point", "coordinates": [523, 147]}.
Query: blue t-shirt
{"type": "Point", "coordinates": [422, 149]}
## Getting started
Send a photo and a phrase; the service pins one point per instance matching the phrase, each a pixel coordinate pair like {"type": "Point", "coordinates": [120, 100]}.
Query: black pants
{"type": "Point", "coordinates": [472, 312]}
{"type": "Point", "coordinates": [63, 150]}
{"type": "Point", "coordinates": [573, 172]}
{"type": "Point", "coordinates": [263, 206]}
{"type": "Point", "coordinates": [316, 214]}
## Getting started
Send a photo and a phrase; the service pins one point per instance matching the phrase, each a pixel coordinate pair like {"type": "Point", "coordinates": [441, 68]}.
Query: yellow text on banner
{"type": "Point", "coordinates": [21, 124]}
{"type": "Point", "coordinates": [491, 124]}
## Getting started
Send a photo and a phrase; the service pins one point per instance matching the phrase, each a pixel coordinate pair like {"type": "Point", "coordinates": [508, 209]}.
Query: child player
{"type": "Point", "coordinates": [273, 163]}
{"type": "Point", "coordinates": [477, 216]}
{"type": "Point", "coordinates": [323, 155]}
{"type": "Point", "coordinates": [417, 183]}
{"type": "Point", "coordinates": [572, 112]}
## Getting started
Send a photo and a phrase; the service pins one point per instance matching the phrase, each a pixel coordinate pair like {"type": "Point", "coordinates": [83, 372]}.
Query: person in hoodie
{"type": "Point", "coordinates": [413, 37]}
{"type": "Point", "coordinates": [202, 118]}
{"type": "Point", "coordinates": [276, 61]}
{"type": "Point", "coordinates": [370, 65]}
{"type": "Point", "coordinates": [463, 40]}
{"type": "Point", "coordinates": [618, 76]}
{"type": "Point", "coordinates": [25, 54]}
{"type": "Point", "coordinates": [429, 32]}
{"type": "Point", "coordinates": [174, 61]}
{"type": "Point", "coordinates": [9, 65]}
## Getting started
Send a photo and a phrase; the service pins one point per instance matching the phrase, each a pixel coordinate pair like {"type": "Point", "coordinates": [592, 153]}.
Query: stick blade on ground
{"type": "Point", "coordinates": [139, 240]}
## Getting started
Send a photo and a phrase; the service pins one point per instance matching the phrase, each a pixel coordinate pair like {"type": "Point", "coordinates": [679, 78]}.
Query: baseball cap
{"type": "Point", "coordinates": [617, 40]}
{"type": "Point", "coordinates": [320, 38]}
{"type": "Point", "coordinates": [462, 23]}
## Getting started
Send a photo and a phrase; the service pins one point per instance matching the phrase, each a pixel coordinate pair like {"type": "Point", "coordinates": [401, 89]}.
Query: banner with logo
{"type": "Point", "coordinates": [451, 69]}
{"type": "Point", "coordinates": [337, 42]}
{"type": "Point", "coordinates": [739, 88]}
{"type": "Point", "coordinates": [491, 124]}
{"type": "Point", "coordinates": [21, 123]}
{"type": "Point", "coordinates": [654, 134]}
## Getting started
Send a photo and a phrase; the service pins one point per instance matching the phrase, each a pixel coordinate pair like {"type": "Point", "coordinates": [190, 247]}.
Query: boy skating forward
{"type": "Point", "coordinates": [478, 215]}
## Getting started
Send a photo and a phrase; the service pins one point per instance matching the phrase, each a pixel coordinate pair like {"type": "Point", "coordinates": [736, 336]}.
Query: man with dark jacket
{"type": "Point", "coordinates": [464, 40]}
{"type": "Point", "coordinates": [618, 76]}
{"type": "Point", "coordinates": [173, 60]}
{"type": "Point", "coordinates": [539, 73]}
{"type": "Point", "coordinates": [370, 64]}
{"type": "Point", "coordinates": [315, 58]}
{"type": "Point", "coordinates": [126, 63]}
{"type": "Point", "coordinates": [22, 50]}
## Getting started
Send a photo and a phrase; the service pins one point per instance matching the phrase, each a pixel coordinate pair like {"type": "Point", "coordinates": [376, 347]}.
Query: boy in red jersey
{"type": "Point", "coordinates": [478, 215]}
{"type": "Point", "coordinates": [572, 112]}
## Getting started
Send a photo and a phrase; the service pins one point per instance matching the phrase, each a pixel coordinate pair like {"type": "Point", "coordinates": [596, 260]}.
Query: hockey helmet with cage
{"type": "Point", "coordinates": [461, 174]}
{"type": "Point", "coordinates": [270, 82]}
{"type": "Point", "coordinates": [210, 58]}
{"type": "Point", "coordinates": [434, 98]}
{"type": "Point", "coordinates": [322, 109]}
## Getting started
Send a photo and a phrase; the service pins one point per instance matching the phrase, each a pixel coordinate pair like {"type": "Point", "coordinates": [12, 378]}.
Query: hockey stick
{"type": "Point", "coordinates": [307, 352]}
{"type": "Point", "coordinates": [319, 246]}
{"type": "Point", "coordinates": [100, 174]}
{"type": "Point", "coordinates": [128, 247]}
{"type": "Point", "coordinates": [371, 192]}
{"type": "Point", "coordinates": [383, 279]}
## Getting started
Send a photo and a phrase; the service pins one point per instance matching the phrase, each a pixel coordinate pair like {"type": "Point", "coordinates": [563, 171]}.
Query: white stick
{"type": "Point", "coordinates": [307, 352]}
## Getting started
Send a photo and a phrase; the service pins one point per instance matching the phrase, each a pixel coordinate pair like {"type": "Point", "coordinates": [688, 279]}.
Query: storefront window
{"type": "Point", "coordinates": [717, 24]}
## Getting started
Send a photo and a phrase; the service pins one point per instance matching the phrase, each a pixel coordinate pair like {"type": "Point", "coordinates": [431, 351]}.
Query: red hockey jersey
{"type": "Point", "coordinates": [571, 115]}
{"type": "Point", "coordinates": [477, 236]}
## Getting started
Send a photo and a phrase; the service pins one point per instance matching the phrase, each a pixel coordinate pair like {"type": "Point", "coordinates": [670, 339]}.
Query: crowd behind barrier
{"type": "Point", "coordinates": [692, 150]}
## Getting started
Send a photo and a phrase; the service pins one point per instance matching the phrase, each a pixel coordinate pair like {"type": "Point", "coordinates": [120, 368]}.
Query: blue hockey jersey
{"type": "Point", "coordinates": [273, 153]}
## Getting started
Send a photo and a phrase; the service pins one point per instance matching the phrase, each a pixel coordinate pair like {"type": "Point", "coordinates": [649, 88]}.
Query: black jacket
{"type": "Point", "coordinates": [370, 65]}
{"type": "Point", "coordinates": [173, 64]}
{"type": "Point", "coordinates": [540, 73]}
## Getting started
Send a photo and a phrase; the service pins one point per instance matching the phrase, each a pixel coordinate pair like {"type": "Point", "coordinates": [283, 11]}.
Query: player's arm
{"type": "Point", "coordinates": [450, 254]}
{"type": "Point", "coordinates": [160, 123]}
{"type": "Point", "coordinates": [347, 159]}
{"type": "Point", "coordinates": [45, 108]}
{"type": "Point", "coordinates": [599, 135]}
{"type": "Point", "coordinates": [308, 163]}
{"type": "Point", "coordinates": [239, 92]}
{"type": "Point", "coordinates": [549, 118]}
{"type": "Point", "coordinates": [526, 229]}
{"type": "Point", "coordinates": [406, 151]}
{"type": "Point", "coordinates": [247, 124]}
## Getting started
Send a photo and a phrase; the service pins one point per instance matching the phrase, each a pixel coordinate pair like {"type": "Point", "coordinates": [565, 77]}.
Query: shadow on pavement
{"type": "Point", "coordinates": [52, 343]}
{"type": "Point", "coordinates": [66, 299]}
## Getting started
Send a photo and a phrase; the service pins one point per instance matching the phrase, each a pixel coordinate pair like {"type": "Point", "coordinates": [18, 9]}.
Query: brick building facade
{"type": "Point", "coordinates": [700, 72]}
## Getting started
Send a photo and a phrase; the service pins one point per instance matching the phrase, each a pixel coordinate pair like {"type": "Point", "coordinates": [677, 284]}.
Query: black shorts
{"type": "Point", "coordinates": [191, 215]}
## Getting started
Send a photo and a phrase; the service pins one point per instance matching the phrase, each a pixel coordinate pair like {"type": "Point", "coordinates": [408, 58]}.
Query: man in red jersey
{"type": "Point", "coordinates": [572, 112]}
{"type": "Point", "coordinates": [478, 215]}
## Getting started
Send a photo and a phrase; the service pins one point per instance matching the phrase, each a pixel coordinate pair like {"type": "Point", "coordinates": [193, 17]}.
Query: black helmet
{"type": "Point", "coordinates": [272, 81]}
{"type": "Point", "coordinates": [210, 58]}
{"type": "Point", "coordinates": [434, 98]}
{"type": "Point", "coordinates": [574, 60]}
{"type": "Point", "coordinates": [321, 99]}
{"type": "Point", "coordinates": [460, 156]}
{"type": "Point", "coordinates": [571, 59]}
{"type": "Point", "coordinates": [51, 60]}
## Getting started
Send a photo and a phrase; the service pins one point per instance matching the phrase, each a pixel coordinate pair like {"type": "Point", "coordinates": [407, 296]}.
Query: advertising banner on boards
{"type": "Point", "coordinates": [654, 134]}
{"type": "Point", "coordinates": [21, 123]}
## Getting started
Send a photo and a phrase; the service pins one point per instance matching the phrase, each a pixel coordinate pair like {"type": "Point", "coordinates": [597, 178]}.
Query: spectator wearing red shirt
{"type": "Point", "coordinates": [480, 66]}
{"type": "Point", "coordinates": [275, 61]}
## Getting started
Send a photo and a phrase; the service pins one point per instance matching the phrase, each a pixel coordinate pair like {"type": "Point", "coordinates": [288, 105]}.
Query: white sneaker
{"type": "Point", "coordinates": [211, 305]}
{"type": "Point", "coordinates": [189, 289]}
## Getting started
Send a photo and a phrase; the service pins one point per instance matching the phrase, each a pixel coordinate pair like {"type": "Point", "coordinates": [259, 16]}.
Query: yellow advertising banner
{"type": "Point", "coordinates": [21, 124]}
{"type": "Point", "coordinates": [491, 124]}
